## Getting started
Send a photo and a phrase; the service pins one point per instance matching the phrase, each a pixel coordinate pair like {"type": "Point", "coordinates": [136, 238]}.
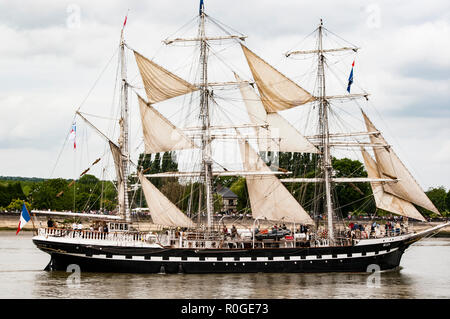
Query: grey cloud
{"type": "Point", "coordinates": [42, 54]}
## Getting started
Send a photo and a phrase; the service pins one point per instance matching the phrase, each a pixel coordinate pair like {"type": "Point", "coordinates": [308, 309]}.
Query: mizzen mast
{"type": "Point", "coordinates": [324, 135]}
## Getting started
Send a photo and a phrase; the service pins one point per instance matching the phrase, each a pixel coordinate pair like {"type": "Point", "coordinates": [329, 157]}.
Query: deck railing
{"type": "Point", "coordinates": [97, 235]}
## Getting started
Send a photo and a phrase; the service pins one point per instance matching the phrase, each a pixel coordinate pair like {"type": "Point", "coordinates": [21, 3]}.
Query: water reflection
{"type": "Point", "coordinates": [393, 284]}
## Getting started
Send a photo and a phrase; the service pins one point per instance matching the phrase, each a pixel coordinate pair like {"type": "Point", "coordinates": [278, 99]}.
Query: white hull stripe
{"type": "Point", "coordinates": [241, 259]}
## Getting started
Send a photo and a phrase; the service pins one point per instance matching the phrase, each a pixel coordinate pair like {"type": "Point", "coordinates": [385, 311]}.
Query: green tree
{"type": "Point", "coordinates": [174, 192]}
{"type": "Point", "coordinates": [154, 169]}
{"type": "Point", "coordinates": [218, 202]}
{"type": "Point", "coordinates": [109, 196]}
{"type": "Point", "coordinates": [158, 165]}
{"type": "Point", "coordinates": [9, 191]}
{"type": "Point", "coordinates": [145, 161]}
{"type": "Point", "coordinates": [52, 194]}
{"type": "Point", "coordinates": [226, 181]}
{"type": "Point", "coordinates": [168, 164]}
{"type": "Point", "coordinates": [16, 205]}
{"type": "Point", "coordinates": [447, 201]}
{"type": "Point", "coordinates": [349, 195]}
{"type": "Point", "coordinates": [438, 197]}
{"type": "Point", "coordinates": [239, 187]}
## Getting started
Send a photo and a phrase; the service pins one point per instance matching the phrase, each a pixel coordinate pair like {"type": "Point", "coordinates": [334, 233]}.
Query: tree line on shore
{"type": "Point", "coordinates": [88, 193]}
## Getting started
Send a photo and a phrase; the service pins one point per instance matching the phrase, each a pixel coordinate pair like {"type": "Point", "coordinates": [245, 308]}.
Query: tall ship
{"type": "Point", "coordinates": [314, 238]}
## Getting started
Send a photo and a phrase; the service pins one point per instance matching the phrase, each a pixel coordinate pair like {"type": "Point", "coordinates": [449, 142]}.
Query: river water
{"type": "Point", "coordinates": [424, 273]}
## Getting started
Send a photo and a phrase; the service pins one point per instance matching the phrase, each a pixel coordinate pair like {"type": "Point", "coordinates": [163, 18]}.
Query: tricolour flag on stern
{"type": "Point", "coordinates": [24, 218]}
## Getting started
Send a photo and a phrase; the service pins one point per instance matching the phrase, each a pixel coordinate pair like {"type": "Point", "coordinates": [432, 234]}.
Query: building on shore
{"type": "Point", "coordinates": [229, 200]}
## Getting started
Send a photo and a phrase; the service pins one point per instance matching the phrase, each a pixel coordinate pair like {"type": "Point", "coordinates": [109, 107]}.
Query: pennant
{"type": "Point", "coordinates": [125, 22]}
{"type": "Point", "coordinates": [24, 218]}
{"type": "Point", "coordinates": [73, 134]}
{"type": "Point", "coordinates": [350, 78]}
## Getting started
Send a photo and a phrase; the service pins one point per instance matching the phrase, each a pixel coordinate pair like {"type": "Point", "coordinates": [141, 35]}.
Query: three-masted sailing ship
{"type": "Point", "coordinates": [202, 247]}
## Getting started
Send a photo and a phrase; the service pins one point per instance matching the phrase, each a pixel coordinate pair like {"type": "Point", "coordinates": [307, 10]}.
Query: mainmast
{"type": "Point", "coordinates": [206, 173]}
{"type": "Point", "coordinates": [324, 132]}
{"type": "Point", "coordinates": [204, 115]}
{"type": "Point", "coordinates": [124, 209]}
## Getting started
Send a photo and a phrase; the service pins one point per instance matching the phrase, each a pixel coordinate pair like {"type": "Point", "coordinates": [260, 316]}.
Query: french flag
{"type": "Point", "coordinates": [350, 78]}
{"type": "Point", "coordinates": [24, 218]}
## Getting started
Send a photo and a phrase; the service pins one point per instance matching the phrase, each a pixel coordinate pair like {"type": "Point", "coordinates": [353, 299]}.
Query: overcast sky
{"type": "Point", "coordinates": [52, 52]}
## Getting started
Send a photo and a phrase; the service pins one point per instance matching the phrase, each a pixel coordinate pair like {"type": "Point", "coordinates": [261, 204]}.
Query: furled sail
{"type": "Point", "coordinates": [390, 166]}
{"type": "Point", "coordinates": [160, 135]}
{"type": "Point", "coordinates": [279, 135]}
{"type": "Point", "coordinates": [277, 92]}
{"type": "Point", "coordinates": [162, 210]}
{"type": "Point", "coordinates": [117, 157]}
{"type": "Point", "coordinates": [159, 83]}
{"type": "Point", "coordinates": [268, 197]}
{"type": "Point", "coordinates": [386, 201]}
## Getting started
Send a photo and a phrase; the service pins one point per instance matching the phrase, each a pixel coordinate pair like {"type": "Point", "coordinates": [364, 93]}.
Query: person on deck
{"type": "Point", "coordinates": [225, 231]}
{"type": "Point", "coordinates": [397, 228]}
{"type": "Point", "coordinates": [233, 232]}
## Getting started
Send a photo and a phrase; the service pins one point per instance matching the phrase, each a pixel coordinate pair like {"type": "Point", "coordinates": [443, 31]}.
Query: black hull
{"type": "Point", "coordinates": [61, 262]}
{"type": "Point", "coordinates": [379, 256]}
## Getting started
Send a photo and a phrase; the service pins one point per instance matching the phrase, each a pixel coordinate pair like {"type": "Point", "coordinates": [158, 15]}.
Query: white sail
{"type": "Point", "coordinates": [160, 135]}
{"type": "Point", "coordinates": [279, 135]}
{"type": "Point", "coordinates": [268, 197]}
{"type": "Point", "coordinates": [117, 157]}
{"type": "Point", "coordinates": [159, 83]}
{"type": "Point", "coordinates": [386, 201]}
{"type": "Point", "coordinates": [390, 166]}
{"type": "Point", "coordinates": [277, 92]}
{"type": "Point", "coordinates": [162, 210]}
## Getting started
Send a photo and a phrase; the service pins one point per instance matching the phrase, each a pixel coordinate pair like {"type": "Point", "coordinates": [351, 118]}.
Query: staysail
{"type": "Point", "coordinates": [160, 135]}
{"type": "Point", "coordinates": [159, 83]}
{"type": "Point", "coordinates": [277, 92]}
{"type": "Point", "coordinates": [268, 197]}
{"type": "Point", "coordinates": [279, 135]}
{"type": "Point", "coordinates": [386, 201]}
{"type": "Point", "coordinates": [162, 210]}
{"type": "Point", "coordinates": [390, 166]}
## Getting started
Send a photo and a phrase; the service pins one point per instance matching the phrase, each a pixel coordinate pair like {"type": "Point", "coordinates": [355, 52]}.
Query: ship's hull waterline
{"type": "Point", "coordinates": [380, 255]}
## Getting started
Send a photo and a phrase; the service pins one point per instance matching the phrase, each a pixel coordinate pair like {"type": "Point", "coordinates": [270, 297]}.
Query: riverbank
{"type": "Point", "coordinates": [10, 221]}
